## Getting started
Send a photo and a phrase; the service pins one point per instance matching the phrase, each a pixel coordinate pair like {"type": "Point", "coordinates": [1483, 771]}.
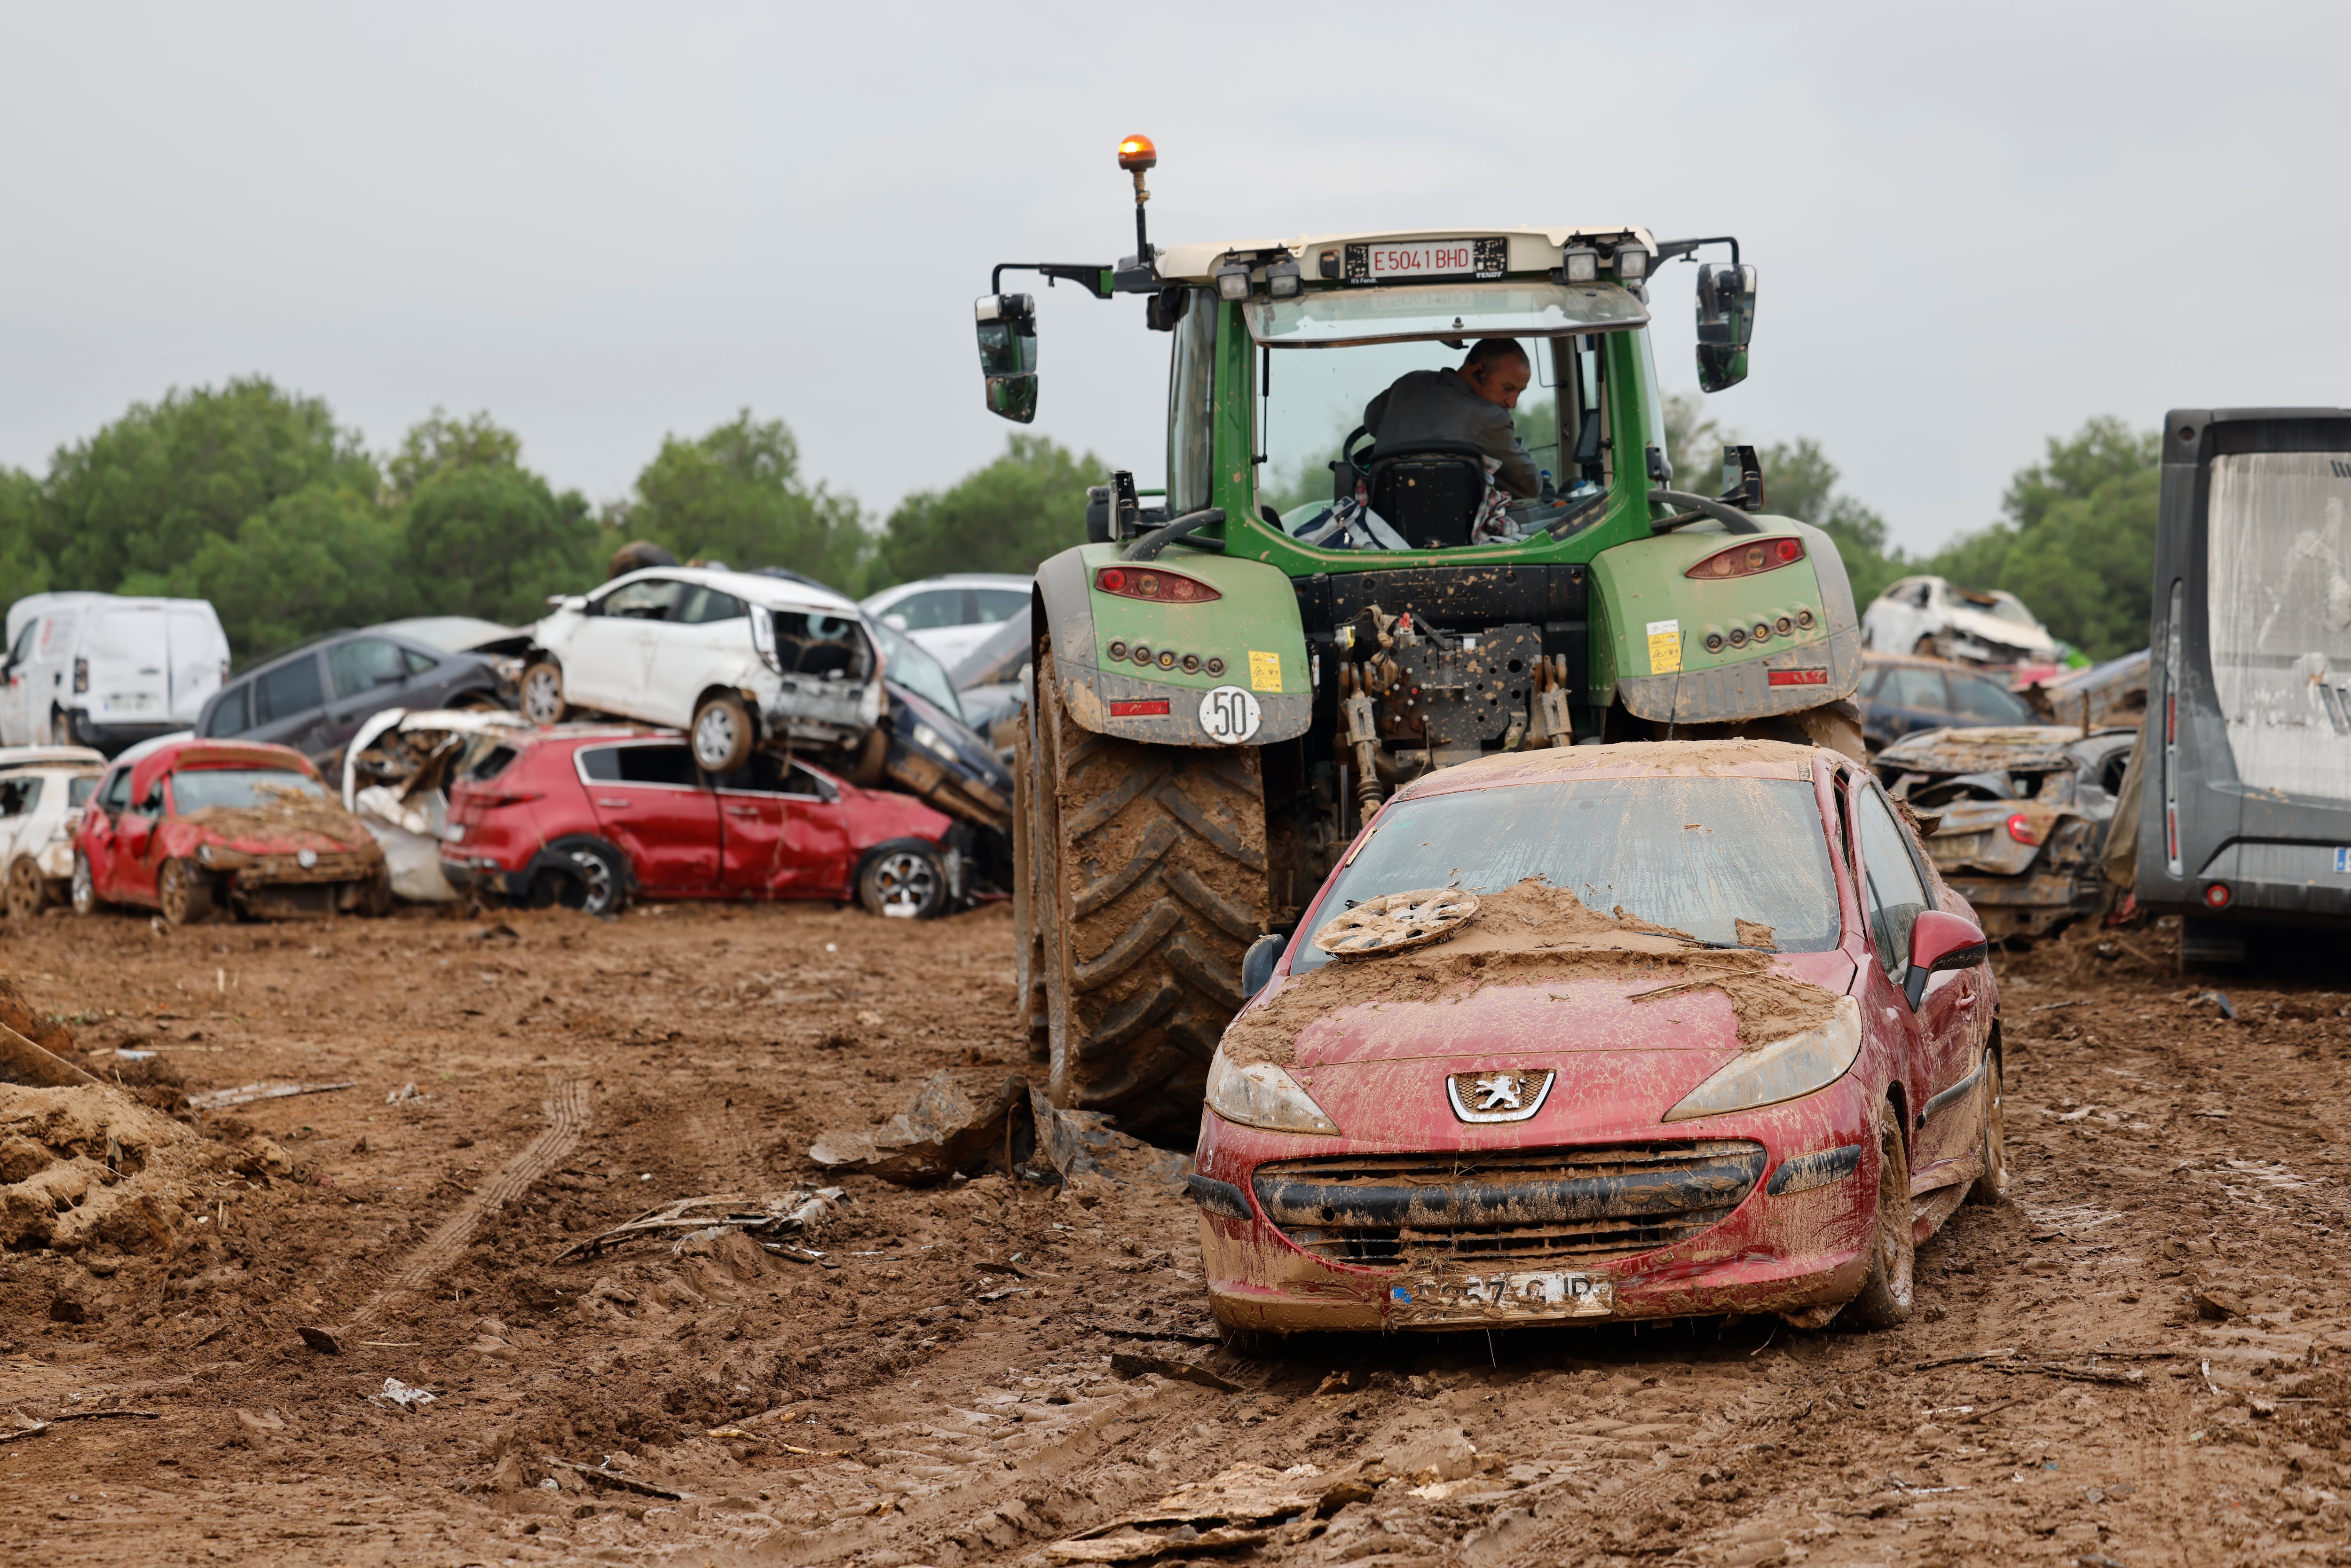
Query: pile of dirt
{"type": "Point", "coordinates": [88, 1166]}
{"type": "Point", "coordinates": [1535, 934]}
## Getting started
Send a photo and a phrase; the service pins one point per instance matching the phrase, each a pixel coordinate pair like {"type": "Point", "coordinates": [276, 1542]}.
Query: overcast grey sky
{"type": "Point", "coordinates": [1975, 226]}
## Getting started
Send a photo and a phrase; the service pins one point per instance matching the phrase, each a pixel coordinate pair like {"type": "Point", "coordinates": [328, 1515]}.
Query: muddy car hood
{"type": "Point", "coordinates": [1538, 974]}
{"type": "Point", "coordinates": [1989, 748]}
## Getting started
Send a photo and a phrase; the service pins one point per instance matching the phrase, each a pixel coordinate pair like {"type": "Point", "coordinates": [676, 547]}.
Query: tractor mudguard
{"type": "Point", "coordinates": [1244, 632]}
{"type": "Point", "coordinates": [1653, 623]}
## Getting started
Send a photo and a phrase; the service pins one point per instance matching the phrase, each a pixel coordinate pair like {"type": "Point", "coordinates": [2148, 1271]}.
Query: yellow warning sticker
{"type": "Point", "coordinates": [1665, 647]}
{"type": "Point", "coordinates": [1265, 671]}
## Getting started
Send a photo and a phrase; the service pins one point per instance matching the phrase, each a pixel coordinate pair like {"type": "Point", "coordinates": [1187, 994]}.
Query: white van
{"type": "Point", "coordinates": [92, 669]}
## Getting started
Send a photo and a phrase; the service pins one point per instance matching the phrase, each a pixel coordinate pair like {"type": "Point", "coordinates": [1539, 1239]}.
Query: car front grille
{"type": "Point", "coordinates": [1529, 1205]}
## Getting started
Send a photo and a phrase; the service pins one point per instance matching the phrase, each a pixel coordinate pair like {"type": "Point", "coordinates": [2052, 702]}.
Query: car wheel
{"type": "Point", "coordinates": [722, 733]}
{"type": "Point", "coordinates": [1885, 1296]}
{"type": "Point", "coordinates": [596, 882]}
{"type": "Point", "coordinates": [28, 890]}
{"type": "Point", "coordinates": [85, 887]}
{"type": "Point", "coordinates": [1993, 1185]}
{"type": "Point", "coordinates": [903, 880]}
{"type": "Point", "coordinates": [542, 694]}
{"type": "Point", "coordinates": [185, 896]}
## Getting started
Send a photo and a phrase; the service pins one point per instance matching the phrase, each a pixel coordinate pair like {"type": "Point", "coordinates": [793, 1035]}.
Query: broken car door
{"type": "Point", "coordinates": [1894, 894]}
{"type": "Point", "coordinates": [785, 832]}
{"type": "Point", "coordinates": [98, 839]}
{"type": "Point", "coordinates": [135, 845]}
{"type": "Point", "coordinates": [650, 800]}
{"type": "Point", "coordinates": [611, 651]}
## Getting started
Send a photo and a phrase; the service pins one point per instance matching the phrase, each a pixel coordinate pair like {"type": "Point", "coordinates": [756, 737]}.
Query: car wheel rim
{"type": "Point", "coordinates": [713, 737]}
{"type": "Point", "coordinates": [538, 700]}
{"type": "Point", "coordinates": [904, 885]}
{"type": "Point", "coordinates": [596, 878]}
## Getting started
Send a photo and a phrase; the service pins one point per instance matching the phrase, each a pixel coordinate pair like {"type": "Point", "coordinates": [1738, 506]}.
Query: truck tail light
{"type": "Point", "coordinates": [2217, 896]}
{"type": "Point", "coordinates": [2021, 829]}
{"type": "Point", "coordinates": [1151, 583]}
{"type": "Point", "coordinates": [1748, 559]}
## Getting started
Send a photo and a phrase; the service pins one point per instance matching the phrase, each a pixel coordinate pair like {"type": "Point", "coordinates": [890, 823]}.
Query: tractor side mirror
{"type": "Point", "coordinates": [1726, 322]}
{"type": "Point", "coordinates": [1941, 942]}
{"type": "Point", "coordinates": [1007, 354]}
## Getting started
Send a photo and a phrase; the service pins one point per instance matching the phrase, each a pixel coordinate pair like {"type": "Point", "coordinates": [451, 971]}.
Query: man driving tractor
{"type": "Point", "coordinates": [1472, 404]}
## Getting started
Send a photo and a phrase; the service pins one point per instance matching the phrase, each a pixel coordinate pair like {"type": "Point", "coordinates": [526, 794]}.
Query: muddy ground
{"type": "Point", "coordinates": [947, 1394]}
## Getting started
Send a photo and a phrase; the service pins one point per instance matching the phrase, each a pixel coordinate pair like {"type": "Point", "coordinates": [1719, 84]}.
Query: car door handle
{"type": "Point", "coordinates": [604, 802]}
{"type": "Point", "coordinates": [742, 810]}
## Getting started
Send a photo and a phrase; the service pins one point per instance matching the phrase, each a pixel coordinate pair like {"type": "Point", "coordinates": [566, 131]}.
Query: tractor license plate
{"type": "Point", "coordinates": [1404, 260]}
{"type": "Point", "coordinates": [1481, 1298]}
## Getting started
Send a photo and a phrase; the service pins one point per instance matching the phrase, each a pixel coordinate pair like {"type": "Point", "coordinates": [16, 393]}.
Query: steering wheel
{"type": "Point", "coordinates": [1346, 450]}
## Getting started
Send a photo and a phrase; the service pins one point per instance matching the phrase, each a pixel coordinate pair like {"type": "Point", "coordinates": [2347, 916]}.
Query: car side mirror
{"type": "Point", "coordinates": [1939, 942]}
{"type": "Point", "coordinates": [1256, 964]}
{"type": "Point", "coordinates": [895, 621]}
{"type": "Point", "coordinates": [1007, 354]}
{"type": "Point", "coordinates": [1726, 322]}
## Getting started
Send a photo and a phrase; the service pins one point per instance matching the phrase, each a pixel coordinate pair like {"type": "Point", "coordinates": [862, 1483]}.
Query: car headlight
{"type": "Point", "coordinates": [763, 638]}
{"type": "Point", "coordinates": [1784, 1069]}
{"type": "Point", "coordinates": [932, 741]}
{"type": "Point", "coordinates": [1263, 1095]}
{"type": "Point", "coordinates": [204, 853]}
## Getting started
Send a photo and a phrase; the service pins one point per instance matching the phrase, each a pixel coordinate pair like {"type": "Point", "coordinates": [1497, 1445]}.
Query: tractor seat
{"type": "Point", "coordinates": [1428, 491]}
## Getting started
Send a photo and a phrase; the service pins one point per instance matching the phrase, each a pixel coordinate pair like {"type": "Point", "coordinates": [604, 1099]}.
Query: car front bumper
{"type": "Point", "coordinates": [1803, 1247]}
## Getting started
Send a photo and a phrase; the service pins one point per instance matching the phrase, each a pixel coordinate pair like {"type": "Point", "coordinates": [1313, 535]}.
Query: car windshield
{"type": "Point", "coordinates": [1696, 854]}
{"type": "Point", "coordinates": [238, 788]}
{"type": "Point", "coordinates": [909, 666]}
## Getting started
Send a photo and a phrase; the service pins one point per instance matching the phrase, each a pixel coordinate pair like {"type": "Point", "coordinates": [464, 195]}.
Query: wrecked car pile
{"type": "Point", "coordinates": [2016, 816]}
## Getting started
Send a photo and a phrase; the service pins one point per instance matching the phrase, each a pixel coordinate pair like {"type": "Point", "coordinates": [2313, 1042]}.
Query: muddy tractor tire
{"type": "Point", "coordinates": [540, 698]}
{"type": "Point", "coordinates": [723, 732]}
{"type": "Point", "coordinates": [28, 890]}
{"type": "Point", "coordinates": [1993, 1185]}
{"type": "Point", "coordinates": [903, 879]}
{"type": "Point", "coordinates": [1150, 885]}
{"type": "Point", "coordinates": [1887, 1294]}
{"type": "Point", "coordinates": [184, 893]}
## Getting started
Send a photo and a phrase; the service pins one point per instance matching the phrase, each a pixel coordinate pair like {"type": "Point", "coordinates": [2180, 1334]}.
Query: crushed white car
{"type": "Point", "coordinates": [737, 660]}
{"type": "Point", "coordinates": [1931, 617]}
{"type": "Point", "coordinates": [42, 791]}
{"type": "Point", "coordinates": [396, 773]}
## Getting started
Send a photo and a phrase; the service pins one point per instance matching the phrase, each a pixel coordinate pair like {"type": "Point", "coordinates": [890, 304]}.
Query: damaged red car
{"type": "Point", "coordinates": [591, 816]}
{"type": "Point", "coordinates": [191, 827]}
{"type": "Point", "coordinates": [1605, 1032]}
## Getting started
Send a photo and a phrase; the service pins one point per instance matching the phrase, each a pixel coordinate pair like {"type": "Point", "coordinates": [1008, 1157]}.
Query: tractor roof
{"type": "Point", "coordinates": [1531, 250]}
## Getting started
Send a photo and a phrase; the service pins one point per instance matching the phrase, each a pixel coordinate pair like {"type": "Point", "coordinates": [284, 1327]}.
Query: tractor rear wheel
{"type": "Point", "coordinates": [1150, 884]}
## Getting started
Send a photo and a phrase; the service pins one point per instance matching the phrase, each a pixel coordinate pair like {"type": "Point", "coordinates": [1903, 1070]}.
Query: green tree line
{"type": "Point", "coordinates": [252, 497]}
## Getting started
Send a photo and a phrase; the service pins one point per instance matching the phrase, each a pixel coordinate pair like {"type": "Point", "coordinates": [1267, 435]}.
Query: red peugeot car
{"type": "Point", "coordinates": [188, 826]}
{"type": "Point", "coordinates": [1606, 1032]}
{"type": "Point", "coordinates": [592, 816]}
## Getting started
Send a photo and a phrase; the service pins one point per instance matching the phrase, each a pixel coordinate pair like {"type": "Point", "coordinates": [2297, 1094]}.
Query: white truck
{"type": "Point", "coordinates": [104, 670]}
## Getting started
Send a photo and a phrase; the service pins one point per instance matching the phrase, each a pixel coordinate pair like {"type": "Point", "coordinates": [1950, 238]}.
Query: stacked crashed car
{"type": "Point", "coordinates": [42, 791]}
{"type": "Point", "coordinates": [1602, 1033]}
{"type": "Point", "coordinates": [2017, 816]}
{"type": "Point", "coordinates": [736, 660]}
{"type": "Point", "coordinates": [591, 816]}
{"type": "Point", "coordinates": [188, 827]}
{"type": "Point", "coordinates": [1933, 617]}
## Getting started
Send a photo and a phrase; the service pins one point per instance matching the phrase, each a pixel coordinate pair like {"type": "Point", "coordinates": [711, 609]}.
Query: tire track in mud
{"type": "Point", "coordinates": [566, 1118]}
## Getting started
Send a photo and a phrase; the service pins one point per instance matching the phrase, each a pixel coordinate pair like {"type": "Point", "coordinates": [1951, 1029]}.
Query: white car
{"type": "Point", "coordinates": [737, 660]}
{"type": "Point", "coordinates": [42, 791]}
{"type": "Point", "coordinates": [93, 669]}
{"type": "Point", "coordinates": [1930, 616]}
{"type": "Point", "coordinates": [950, 616]}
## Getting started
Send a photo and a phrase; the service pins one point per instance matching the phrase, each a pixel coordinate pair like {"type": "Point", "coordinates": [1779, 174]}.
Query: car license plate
{"type": "Point", "coordinates": [1479, 1298]}
{"type": "Point", "coordinates": [1427, 258]}
{"type": "Point", "coordinates": [131, 701]}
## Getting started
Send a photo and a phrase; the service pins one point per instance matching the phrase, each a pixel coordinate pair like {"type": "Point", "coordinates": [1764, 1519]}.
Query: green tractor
{"type": "Point", "coordinates": [1230, 676]}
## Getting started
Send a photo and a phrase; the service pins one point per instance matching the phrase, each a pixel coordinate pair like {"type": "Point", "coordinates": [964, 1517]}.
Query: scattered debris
{"type": "Point", "coordinates": [405, 1395]}
{"type": "Point", "coordinates": [1155, 1331]}
{"type": "Point", "coordinates": [2220, 1001]}
{"type": "Point", "coordinates": [611, 1481]}
{"type": "Point", "coordinates": [1236, 1508]}
{"type": "Point", "coordinates": [1082, 1144]}
{"type": "Point", "coordinates": [691, 1218]}
{"type": "Point", "coordinates": [2218, 1306]}
{"type": "Point", "coordinates": [23, 1061]}
{"type": "Point", "coordinates": [323, 1341]}
{"type": "Point", "coordinates": [1129, 1365]}
{"type": "Point", "coordinates": [406, 1092]}
{"type": "Point", "coordinates": [245, 1094]}
{"type": "Point", "coordinates": [943, 1132]}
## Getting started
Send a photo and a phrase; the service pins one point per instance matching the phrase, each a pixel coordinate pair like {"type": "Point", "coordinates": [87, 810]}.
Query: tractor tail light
{"type": "Point", "coordinates": [1151, 583]}
{"type": "Point", "coordinates": [1748, 559]}
{"type": "Point", "coordinates": [2021, 829]}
